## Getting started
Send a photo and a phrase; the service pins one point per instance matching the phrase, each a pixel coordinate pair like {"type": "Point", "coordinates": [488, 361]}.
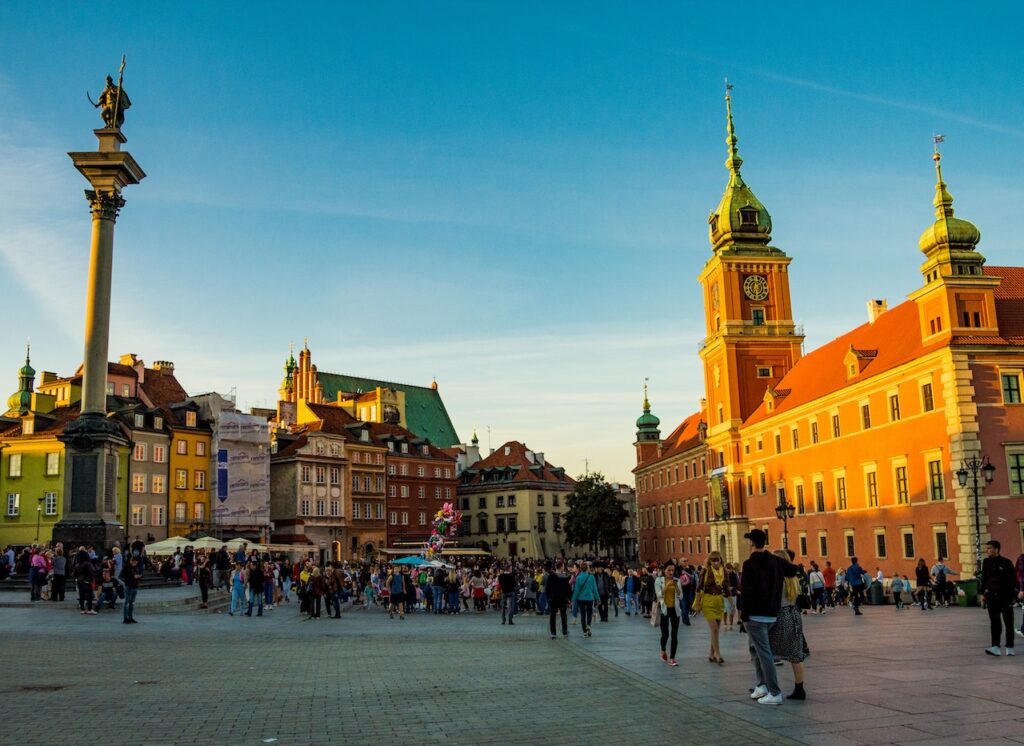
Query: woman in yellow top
{"type": "Point", "coordinates": [711, 592]}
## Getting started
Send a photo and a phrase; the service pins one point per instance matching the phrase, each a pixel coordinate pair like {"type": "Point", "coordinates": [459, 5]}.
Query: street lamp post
{"type": "Point", "coordinates": [39, 517]}
{"type": "Point", "coordinates": [970, 469]}
{"type": "Point", "coordinates": [784, 511]}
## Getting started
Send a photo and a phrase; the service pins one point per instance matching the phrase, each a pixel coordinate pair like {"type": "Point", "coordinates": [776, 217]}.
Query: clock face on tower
{"type": "Point", "coordinates": [756, 287]}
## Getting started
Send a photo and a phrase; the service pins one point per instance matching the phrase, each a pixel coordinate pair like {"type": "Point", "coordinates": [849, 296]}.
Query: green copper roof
{"type": "Point", "coordinates": [425, 413]}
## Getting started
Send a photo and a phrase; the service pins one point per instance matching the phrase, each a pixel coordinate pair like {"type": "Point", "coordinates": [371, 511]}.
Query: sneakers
{"type": "Point", "coordinates": [664, 655]}
{"type": "Point", "coordinates": [673, 662]}
{"type": "Point", "coordinates": [91, 613]}
{"type": "Point", "coordinates": [771, 699]}
{"type": "Point", "coordinates": [1009, 651]}
{"type": "Point", "coordinates": [759, 691]}
{"type": "Point", "coordinates": [994, 650]}
{"type": "Point", "coordinates": [554, 637]}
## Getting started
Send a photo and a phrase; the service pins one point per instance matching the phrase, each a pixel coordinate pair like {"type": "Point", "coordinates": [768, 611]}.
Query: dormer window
{"type": "Point", "coordinates": [713, 222]}
{"type": "Point", "coordinates": [364, 435]}
{"type": "Point", "coordinates": [405, 447]}
{"type": "Point", "coordinates": [748, 216]}
{"type": "Point", "coordinates": [140, 420]}
{"type": "Point", "coordinates": [391, 446]}
{"type": "Point", "coordinates": [190, 419]}
{"type": "Point", "coordinates": [158, 423]}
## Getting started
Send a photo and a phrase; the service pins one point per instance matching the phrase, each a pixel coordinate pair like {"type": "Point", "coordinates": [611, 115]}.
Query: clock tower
{"type": "Point", "coordinates": [751, 340]}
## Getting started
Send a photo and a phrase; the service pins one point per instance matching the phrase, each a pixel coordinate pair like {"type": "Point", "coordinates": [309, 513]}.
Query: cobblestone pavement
{"type": "Point", "coordinates": [210, 678]}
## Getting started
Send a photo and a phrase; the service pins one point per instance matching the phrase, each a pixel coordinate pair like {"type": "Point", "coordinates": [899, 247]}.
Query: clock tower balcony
{"type": "Point", "coordinates": [732, 330]}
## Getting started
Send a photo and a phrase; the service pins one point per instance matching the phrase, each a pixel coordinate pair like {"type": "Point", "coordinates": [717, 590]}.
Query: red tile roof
{"type": "Point", "coordinates": [162, 389]}
{"type": "Point", "coordinates": [45, 427]}
{"type": "Point", "coordinates": [896, 335]}
{"type": "Point", "coordinates": [516, 456]}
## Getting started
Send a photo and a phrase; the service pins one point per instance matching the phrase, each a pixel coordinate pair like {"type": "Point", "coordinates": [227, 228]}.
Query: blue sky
{"type": "Point", "coordinates": [511, 197]}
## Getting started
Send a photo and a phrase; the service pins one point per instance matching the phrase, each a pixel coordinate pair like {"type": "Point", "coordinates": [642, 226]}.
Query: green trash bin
{"type": "Point", "coordinates": [876, 594]}
{"type": "Point", "coordinates": [967, 592]}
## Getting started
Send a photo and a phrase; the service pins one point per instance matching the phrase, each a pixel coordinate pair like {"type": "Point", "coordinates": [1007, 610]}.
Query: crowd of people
{"type": "Point", "coordinates": [764, 597]}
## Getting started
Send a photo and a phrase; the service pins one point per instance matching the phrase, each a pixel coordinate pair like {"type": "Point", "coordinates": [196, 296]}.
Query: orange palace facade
{"type": "Point", "coordinates": [863, 436]}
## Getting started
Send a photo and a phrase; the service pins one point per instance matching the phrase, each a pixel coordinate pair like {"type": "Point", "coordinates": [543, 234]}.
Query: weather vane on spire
{"type": "Point", "coordinates": [937, 140]}
{"type": "Point", "coordinates": [728, 88]}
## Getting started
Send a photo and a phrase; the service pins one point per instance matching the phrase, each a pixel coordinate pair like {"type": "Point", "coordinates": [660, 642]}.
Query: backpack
{"type": "Point", "coordinates": [684, 579]}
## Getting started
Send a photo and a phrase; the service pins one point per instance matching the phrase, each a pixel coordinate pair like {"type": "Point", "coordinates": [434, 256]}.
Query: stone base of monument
{"type": "Point", "coordinates": [97, 533]}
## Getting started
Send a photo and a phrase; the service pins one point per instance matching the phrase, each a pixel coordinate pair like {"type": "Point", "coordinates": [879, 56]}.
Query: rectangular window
{"type": "Point", "coordinates": [800, 507]}
{"type": "Point", "coordinates": [138, 483]}
{"type": "Point", "coordinates": [894, 408]}
{"type": "Point", "coordinates": [392, 469]}
{"type": "Point", "coordinates": [795, 436]}
{"type": "Point", "coordinates": [200, 448]}
{"type": "Point", "coordinates": [335, 508]}
{"type": "Point", "coordinates": [403, 491]}
{"type": "Point", "coordinates": [181, 446]}
{"type": "Point", "coordinates": [321, 475]}
{"type": "Point", "coordinates": [851, 549]}
{"type": "Point", "coordinates": [865, 416]}
{"type": "Point", "coordinates": [540, 501]}
{"type": "Point", "coordinates": [355, 482]}
{"type": "Point", "coordinates": [199, 480]}
{"type": "Point", "coordinates": [357, 511]}
{"type": "Point", "coordinates": [819, 497]}
{"type": "Point", "coordinates": [757, 317]}
{"type": "Point", "coordinates": [421, 491]}
{"type": "Point", "coordinates": [52, 464]}
{"type": "Point", "coordinates": [927, 399]}
{"type": "Point", "coordinates": [1017, 473]}
{"type": "Point", "coordinates": [158, 423]}
{"type": "Point", "coordinates": [1011, 388]}
{"type": "Point", "coordinates": [941, 546]}
{"type": "Point", "coordinates": [138, 515]}
{"type": "Point", "coordinates": [126, 390]}
{"type": "Point", "coordinates": [199, 512]}
{"type": "Point", "coordinates": [13, 503]}
{"type": "Point", "coordinates": [180, 479]}
{"type": "Point", "coordinates": [814, 432]}
{"type": "Point", "coordinates": [823, 545]}
{"type": "Point", "coordinates": [304, 474]}
{"type": "Point", "coordinates": [366, 511]}
{"type": "Point", "coordinates": [778, 443]}
{"type": "Point", "coordinates": [380, 511]}
{"type": "Point", "coordinates": [140, 420]}
{"type": "Point", "coordinates": [423, 518]}
{"type": "Point", "coordinates": [908, 543]}
{"type": "Point", "coordinates": [159, 454]}
{"type": "Point", "coordinates": [500, 524]}
{"type": "Point", "coordinates": [872, 482]}
{"type": "Point", "coordinates": [335, 476]}
{"type": "Point", "coordinates": [836, 431]}
{"type": "Point", "coordinates": [139, 454]}
{"type": "Point", "coordinates": [320, 507]}
{"type": "Point", "coordinates": [392, 490]}
{"type": "Point", "coordinates": [902, 488]}
{"type": "Point", "coordinates": [841, 493]}
{"type": "Point", "coordinates": [190, 419]}
{"type": "Point", "coordinates": [762, 483]}
{"type": "Point", "coordinates": [158, 484]}
{"type": "Point", "coordinates": [50, 503]}
{"type": "Point", "coordinates": [304, 508]}
{"type": "Point", "coordinates": [403, 469]}
{"type": "Point", "coordinates": [447, 473]}
{"type": "Point", "coordinates": [437, 473]}
{"type": "Point", "coordinates": [511, 501]}
{"type": "Point", "coordinates": [405, 518]}
{"type": "Point", "coordinates": [180, 511]}
{"type": "Point", "coordinates": [554, 501]}
{"type": "Point", "coordinates": [378, 484]}
{"type": "Point", "coordinates": [936, 480]}
{"type": "Point", "coordinates": [880, 544]}
{"type": "Point", "coordinates": [499, 501]}
{"type": "Point", "coordinates": [156, 515]}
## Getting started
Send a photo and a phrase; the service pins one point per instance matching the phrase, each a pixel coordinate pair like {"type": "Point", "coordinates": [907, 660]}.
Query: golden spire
{"type": "Point", "coordinates": [733, 162]}
{"type": "Point", "coordinates": [647, 404]}
{"type": "Point", "coordinates": [943, 199]}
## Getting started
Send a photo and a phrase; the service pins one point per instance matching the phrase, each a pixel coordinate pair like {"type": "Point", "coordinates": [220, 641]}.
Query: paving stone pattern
{"type": "Point", "coordinates": [214, 679]}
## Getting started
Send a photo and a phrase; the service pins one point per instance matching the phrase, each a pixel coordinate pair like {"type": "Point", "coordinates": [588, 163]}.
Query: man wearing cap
{"type": "Point", "coordinates": [761, 584]}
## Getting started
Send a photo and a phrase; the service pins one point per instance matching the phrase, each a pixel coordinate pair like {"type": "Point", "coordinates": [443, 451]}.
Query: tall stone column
{"type": "Point", "coordinates": [91, 512]}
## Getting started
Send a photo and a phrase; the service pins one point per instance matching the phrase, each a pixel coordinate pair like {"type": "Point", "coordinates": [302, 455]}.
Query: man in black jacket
{"type": "Point", "coordinates": [604, 592]}
{"type": "Point", "coordinates": [509, 588]}
{"type": "Point", "coordinates": [558, 592]}
{"type": "Point", "coordinates": [130, 579]}
{"type": "Point", "coordinates": [999, 584]}
{"type": "Point", "coordinates": [762, 578]}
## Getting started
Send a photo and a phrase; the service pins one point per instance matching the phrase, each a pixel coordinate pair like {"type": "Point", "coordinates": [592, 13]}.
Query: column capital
{"type": "Point", "coordinates": [104, 204]}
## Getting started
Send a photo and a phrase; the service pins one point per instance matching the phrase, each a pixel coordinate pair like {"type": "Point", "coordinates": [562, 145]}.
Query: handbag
{"type": "Point", "coordinates": [656, 615]}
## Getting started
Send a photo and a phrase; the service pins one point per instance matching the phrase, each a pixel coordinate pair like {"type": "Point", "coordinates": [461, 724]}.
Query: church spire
{"type": "Point", "coordinates": [950, 242]}
{"type": "Point", "coordinates": [741, 221]}
{"type": "Point", "coordinates": [647, 424]}
{"type": "Point", "coordinates": [20, 402]}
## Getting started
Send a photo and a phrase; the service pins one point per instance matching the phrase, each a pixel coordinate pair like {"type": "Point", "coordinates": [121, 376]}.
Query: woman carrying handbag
{"type": "Point", "coordinates": [710, 601]}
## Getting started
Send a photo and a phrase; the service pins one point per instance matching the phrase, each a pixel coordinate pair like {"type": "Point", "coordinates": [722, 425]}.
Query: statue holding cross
{"type": "Point", "coordinates": [113, 101]}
